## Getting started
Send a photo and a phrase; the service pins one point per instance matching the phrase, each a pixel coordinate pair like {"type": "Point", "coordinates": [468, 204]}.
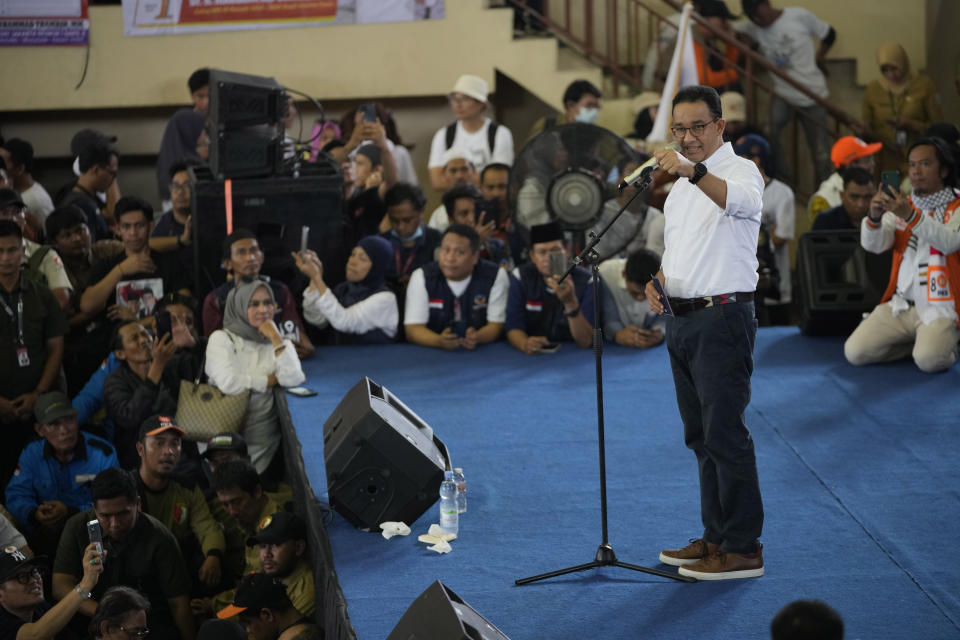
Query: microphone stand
{"type": "Point", "coordinates": [605, 556]}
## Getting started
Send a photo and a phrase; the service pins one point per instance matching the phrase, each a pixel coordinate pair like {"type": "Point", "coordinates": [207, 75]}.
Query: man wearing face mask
{"type": "Point", "coordinates": [581, 103]}
{"type": "Point", "coordinates": [413, 242]}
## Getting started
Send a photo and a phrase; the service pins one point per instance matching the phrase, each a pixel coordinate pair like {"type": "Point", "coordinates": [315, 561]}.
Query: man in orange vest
{"type": "Point", "coordinates": [920, 310]}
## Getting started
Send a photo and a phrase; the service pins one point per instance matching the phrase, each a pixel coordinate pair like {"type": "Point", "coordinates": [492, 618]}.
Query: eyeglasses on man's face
{"type": "Point", "coordinates": [27, 576]}
{"type": "Point", "coordinates": [697, 130]}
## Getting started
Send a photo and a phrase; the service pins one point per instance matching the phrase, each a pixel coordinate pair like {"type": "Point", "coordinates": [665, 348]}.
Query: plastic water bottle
{"type": "Point", "coordinates": [461, 489]}
{"type": "Point", "coordinates": [449, 518]}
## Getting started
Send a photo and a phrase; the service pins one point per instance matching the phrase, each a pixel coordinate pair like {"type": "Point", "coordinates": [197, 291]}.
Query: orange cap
{"type": "Point", "coordinates": [849, 148]}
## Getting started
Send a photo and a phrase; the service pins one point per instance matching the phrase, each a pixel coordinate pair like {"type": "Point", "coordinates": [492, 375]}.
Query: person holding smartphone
{"type": "Point", "coordinates": [920, 310]}
{"type": "Point", "coordinates": [541, 310]}
{"type": "Point", "coordinates": [23, 611]}
{"type": "Point", "coordinates": [459, 300]}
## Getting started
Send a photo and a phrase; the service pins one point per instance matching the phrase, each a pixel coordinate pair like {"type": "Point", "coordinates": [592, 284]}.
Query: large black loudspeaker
{"type": "Point", "coordinates": [383, 461]}
{"type": "Point", "coordinates": [245, 129]}
{"type": "Point", "coordinates": [276, 210]}
{"type": "Point", "coordinates": [838, 281]}
{"type": "Point", "coordinates": [440, 614]}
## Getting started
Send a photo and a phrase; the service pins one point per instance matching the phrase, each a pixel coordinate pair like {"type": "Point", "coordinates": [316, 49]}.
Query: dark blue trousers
{"type": "Point", "coordinates": [711, 354]}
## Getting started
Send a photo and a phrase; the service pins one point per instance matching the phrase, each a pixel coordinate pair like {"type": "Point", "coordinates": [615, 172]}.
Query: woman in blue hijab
{"type": "Point", "coordinates": [361, 309]}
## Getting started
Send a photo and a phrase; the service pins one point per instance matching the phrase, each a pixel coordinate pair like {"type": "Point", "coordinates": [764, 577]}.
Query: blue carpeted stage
{"type": "Point", "coordinates": [857, 466]}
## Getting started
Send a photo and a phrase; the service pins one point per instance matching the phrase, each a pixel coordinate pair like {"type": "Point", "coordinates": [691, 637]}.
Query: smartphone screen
{"type": "Point", "coordinates": [93, 530]}
{"type": "Point", "coordinates": [558, 263]}
{"type": "Point", "coordinates": [890, 181]}
{"type": "Point", "coordinates": [164, 324]}
{"type": "Point", "coordinates": [550, 347]}
{"type": "Point", "coordinates": [369, 111]}
{"type": "Point", "coordinates": [301, 392]}
{"type": "Point", "coordinates": [304, 237]}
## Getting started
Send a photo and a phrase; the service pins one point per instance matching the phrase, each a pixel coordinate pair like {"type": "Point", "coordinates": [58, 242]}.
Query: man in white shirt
{"type": "Point", "coordinates": [785, 37]}
{"type": "Point", "coordinates": [482, 139]}
{"type": "Point", "coordinates": [920, 309]}
{"type": "Point", "coordinates": [458, 300]}
{"type": "Point", "coordinates": [18, 156]}
{"type": "Point", "coordinates": [779, 220]}
{"type": "Point", "coordinates": [709, 272]}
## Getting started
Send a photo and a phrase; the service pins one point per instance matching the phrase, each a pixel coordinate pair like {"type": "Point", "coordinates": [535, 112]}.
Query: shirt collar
{"type": "Point", "coordinates": [79, 451]}
{"type": "Point", "coordinates": [720, 155]}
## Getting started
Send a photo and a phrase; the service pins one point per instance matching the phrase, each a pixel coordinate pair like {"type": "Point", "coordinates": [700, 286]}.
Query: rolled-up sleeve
{"type": "Point", "coordinates": [744, 193]}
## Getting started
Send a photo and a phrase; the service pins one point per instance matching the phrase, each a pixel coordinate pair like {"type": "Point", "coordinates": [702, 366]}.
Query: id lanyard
{"type": "Point", "coordinates": [6, 307]}
{"type": "Point", "coordinates": [23, 357]}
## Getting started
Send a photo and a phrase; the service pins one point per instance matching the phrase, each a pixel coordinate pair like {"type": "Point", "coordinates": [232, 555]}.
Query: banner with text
{"type": "Point", "coordinates": [163, 17]}
{"type": "Point", "coordinates": [43, 23]}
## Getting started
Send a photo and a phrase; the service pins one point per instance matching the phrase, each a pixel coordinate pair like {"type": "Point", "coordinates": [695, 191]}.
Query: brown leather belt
{"type": "Point", "coordinates": [681, 306]}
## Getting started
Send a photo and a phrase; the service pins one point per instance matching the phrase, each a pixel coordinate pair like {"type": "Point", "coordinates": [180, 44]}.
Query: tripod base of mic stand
{"type": "Point", "coordinates": [605, 558]}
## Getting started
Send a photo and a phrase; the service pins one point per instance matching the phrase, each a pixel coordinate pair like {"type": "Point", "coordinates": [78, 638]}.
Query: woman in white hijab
{"type": "Point", "coordinates": [248, 353]}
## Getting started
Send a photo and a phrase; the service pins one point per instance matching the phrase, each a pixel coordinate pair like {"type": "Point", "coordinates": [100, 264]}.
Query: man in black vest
{"type": "Point", "coordinates": [459, 300]}
{"type": "Point", "coordinates": [541, 311]}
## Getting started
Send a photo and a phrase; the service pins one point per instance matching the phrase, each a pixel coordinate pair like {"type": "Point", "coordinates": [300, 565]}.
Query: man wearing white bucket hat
{"type": "Point", "coordinates": [483, 140]}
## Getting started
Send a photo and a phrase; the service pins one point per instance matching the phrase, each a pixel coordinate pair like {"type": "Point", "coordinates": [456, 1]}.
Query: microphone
{"type": "Point", "coordinates": [645, 169]}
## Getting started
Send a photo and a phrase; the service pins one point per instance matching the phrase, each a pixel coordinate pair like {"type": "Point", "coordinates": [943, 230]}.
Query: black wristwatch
{"type": "Point", "coordinates": [699, 170]}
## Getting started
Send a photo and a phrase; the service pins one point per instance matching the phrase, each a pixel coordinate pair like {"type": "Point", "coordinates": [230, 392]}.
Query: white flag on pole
{"type": "Point", "coordinates": [683, 72]}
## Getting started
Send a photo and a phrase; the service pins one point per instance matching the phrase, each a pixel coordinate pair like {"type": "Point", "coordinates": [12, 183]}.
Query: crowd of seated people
{"type": "Point", "coordinates": [102, 326]}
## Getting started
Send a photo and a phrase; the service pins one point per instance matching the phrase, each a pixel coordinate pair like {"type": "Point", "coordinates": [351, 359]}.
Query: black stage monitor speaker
{"type": "Point", "coordinates": [383, 461]}
{"type": "Point", "coordinates": [440, 614]}
{"type": "Point", "coordinates": [838, 281]}
{"type": "Point", "coordinates": [276, 210]}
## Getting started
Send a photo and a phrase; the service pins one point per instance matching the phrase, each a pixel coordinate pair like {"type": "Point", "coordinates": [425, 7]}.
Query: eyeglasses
{"type": "Point", "coordinates": [136, 633]}
{"type": "Point", "coordinates": [697, 130]}
{"type": "Point", "coordinates": [26, 577]}
{"type": "Point", "coordinates": [179, 186]}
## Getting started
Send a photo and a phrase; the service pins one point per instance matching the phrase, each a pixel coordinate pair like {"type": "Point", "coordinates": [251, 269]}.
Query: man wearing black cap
{"type": "Point", "coordinates": [539, 309]}
{"type": "Point", "coordinates": [262, 607]}
{"type": "Point", "coordinates": [52, 480]}
{"type": "Point", "coordinates": [231, 446]}
{"type": "Point", "coordinates": [183, 511]}
{"type": "Point", "coordinates": [18, 156]}
{"type": "Point", "coordinates": [23, 611]}
{"type": "Point", "coordinates": [141, 553]}
{"type": "Point", "coordinates": [282, 542]}
{"type": "Point", "coordinates": [98, 164]}
{"type": "Point", "coordinates": [32, 326]}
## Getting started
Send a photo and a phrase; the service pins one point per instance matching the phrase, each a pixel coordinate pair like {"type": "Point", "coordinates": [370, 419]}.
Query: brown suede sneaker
{"type": "Point", "coordinates": [726, 566]}
{"type": "Point", "coordinates": [697, 550]}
